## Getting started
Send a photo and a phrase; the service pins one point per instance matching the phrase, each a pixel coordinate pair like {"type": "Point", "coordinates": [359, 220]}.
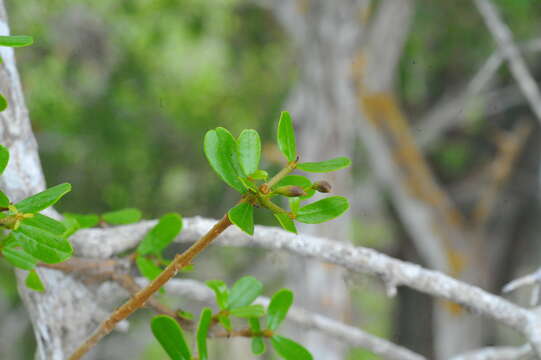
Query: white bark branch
{"type": "Point", "coordinates": [107, 242]}
{"type": "Point", "coordinates": [498, 353]}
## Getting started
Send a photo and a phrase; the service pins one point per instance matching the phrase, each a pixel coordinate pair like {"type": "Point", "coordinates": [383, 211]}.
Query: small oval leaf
{"type": "Point", "coordinates": [44, 199]}
{"type": "Point", "coordinates": [285, 222]}
{"type": "Point", "coordinates": [286, 136]}
{"type": "Point", "coordinates": [3, 103]}
{"type": "Point", "coordinates": [171, 337]}
{"type": "Point", "coordinates": [43, 245]}
{"type": "Point", "coordinates": [84, 220]}
{"type": "Point", "coordinates": [325, 166]}
{"type": "Point", "coordinates": [4, 200]}
{"type": "Point", "coordinates": [122, 217]}
{"type": "Point", "coordinates": [19, 258]}
{"type": "Point", "coordinates": [279, 305]}
{"type": "Point", "coordinates": [250, 311]}
{"type": "Point", "coordinates": [147, 268]}
{"type": "Point", "coordinates": [4, 158]}
{"type": "Point", "coordinates": [244, 292]}
{"type": "Point", "coordinates": [249, 148]}
{"type": "Point", "coordinates": [161, 235]}
{"type": "Point", "coordinates": [297, 180]}
{"type": "Point", "coordinates": [258, 345]}
{"type": "Point", "coordinates": [16, 40]}
{"type": "Point", "coordinates": [221, 151]}
{"type": "Point", "coordinates": [202, 333]}
{"type": "Point", "coordinates": [221, 291]}
{"type": "Point", "coordinates": [323, 210]}
{"type": "Point", "coordinates": [46, 223]}
{"type": "Point", "coordinates": [33, 281]}
{"type": "Point", "coordinates": [242, 215]}
{"type": "Point", "coordinates": [289, 349]}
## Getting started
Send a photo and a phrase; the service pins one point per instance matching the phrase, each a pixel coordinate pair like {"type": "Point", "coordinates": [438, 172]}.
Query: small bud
{"type": "Point", "coordinates": [322, 186]}
{"type": "Point", "coordinates": [290, 191]}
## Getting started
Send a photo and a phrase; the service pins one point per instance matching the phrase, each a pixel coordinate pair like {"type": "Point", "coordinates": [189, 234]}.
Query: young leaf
{"type": "Point", "coordinates": [33, 281]}
{"type": "Point", "coordinates": [122, 217]}
{"type": "Point", "coordinates": [242, 215]}
{"type": "Point", "coordinates": [171, 337]}
{"type": "Point", "coordinates": [84, 220]}
{"type": "Point", "coordinates": [19, 258]}
{"type": "Point", "coordinates": [258, 345]}
{"type": "Point", "coordinates": [325, 166]}
{"type": "Point", "coordinates": [221, 151]}
{"type": "Point", "coordinates": [4, 201]}
{"type": "Point", "coordinates": [286, 136]}
{"type": "Point", "coordinates": [250, 311]}
{"type": "Point", "coordinates": [286, 223]}
{"type": "Point", "coordinates": [289, 349]}
{"type": "Point", "coordinates": [16, 40]}
{"type": "Point", "coordinates": [221, 291]}
{"type": "Point", "coordinates": [147, 268]}
{"type": "Point", "coordinates": [260, 175]}
{"type": "Point", "coordinates": [294, 204]}
{"type": "Point", "coordinates": [4, 158]}
{"type": "Point", "coordinates": [46, 223]}
{"type": "Point", "coordinates": [226, 322]}
{"type": "Point", "coordinates": [244, 292]}
{"type": "Point", "coordinates": [161, 235]}
{"type": "Point", "coordinates": [249, 148]}
{"type": "Point", "coordinates": [202, 333]}
{"type": "Point", "coordinates": [44, 199]}
{"type": "Point", "coordinates": [322, 210]}
{"type": "Point", "coordinates": [43, 245]}
{"type": "Point", "coordinates": [279, 306]}
{"type": "Point", "coordinates": [297, 180]}
{"type": "Point", "coordinates": [3, 102]}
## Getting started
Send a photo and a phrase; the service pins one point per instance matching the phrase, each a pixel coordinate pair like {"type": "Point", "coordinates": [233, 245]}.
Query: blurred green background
{"type": "Point", "coordinates": [121, 92]}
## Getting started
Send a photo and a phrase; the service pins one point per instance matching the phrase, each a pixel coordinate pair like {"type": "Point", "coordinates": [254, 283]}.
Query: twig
{"type": "Point", "coordinates": [139, 299]}
{"type": "Point", "coordinates": [504, 39]}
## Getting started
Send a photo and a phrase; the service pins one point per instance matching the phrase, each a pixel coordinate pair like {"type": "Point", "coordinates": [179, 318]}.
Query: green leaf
{"type": "Point", "coordinates": [4, 201]}
{"type": "Point", "coordinates": [221, 151]}
{"type": "Point", "coordinates": [84, 220]}
{"type": "Point", "coordinates": [226, 322]}
{"type": "Point", "coordinates": [33, 281]}
{"type": "Point", "coordinates": [16, 40]}
{"type": "Point", "coordinates": [46, 223]}
{"type": "Point", "coordinates": [221, 291]}
{"type": "Point", "coordinates": [71, 226]}
{"type": "Point", "coordinates": [325, 166]}
{"type": "Point", "coordinates": [147, 268]}
{"type": "Point", "coordinates": [258, 345]}
{"type": "Point", "coordinates": [244, 292]}
{"type": "Point", "coordinates": [242, 215]}
{"type": "Point", "coordinates": [249, 148]}
{"type": "Point", "coordinates": [4, 158]}
{"type": "Point", "coordinates": [285, 222]}
{"type": "Point", "coordinates": [279, 306]}
{"type": "Point", "coordinates": [19, 258]}
{"type": "Point", "coordinates": [289, 349]}
{"type": "Point", "coordinates": [161, 235]}
{"type": "Point", "coordinates": [250, 311]}
{"type": "Point", "coordinates": [323, 210]}
{"type": "Point", "coordinates": [294, 204]}
{"type": "Point", "coordinates": [3, 103]}
{"type": "Point", "coordinates": [122, 217]}
{"type": "Point", "coordinates": [171, 337]}
{"type": "Point", "coordinates": [260, 175]}
{"type": "Point", "coordinates": [44, 199]}
{"type": "Point", "coordinates": [286, 136]}
{"type": "Point", "coordinates": [43, 245]}
{"type": "Point", "coordinates": [297, 180]}
{"type": "Point", "coordinates": [202, 333]}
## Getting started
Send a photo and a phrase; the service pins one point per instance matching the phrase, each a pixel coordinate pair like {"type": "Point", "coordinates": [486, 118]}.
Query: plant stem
{"type": "Point", "coordinates": [265, 188]}
{"type": "Point", "coordinates": [141, 297]}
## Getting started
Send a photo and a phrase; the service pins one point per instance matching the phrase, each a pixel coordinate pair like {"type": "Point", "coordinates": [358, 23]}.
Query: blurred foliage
{"type": "Point", "coordinates": [121, 92]}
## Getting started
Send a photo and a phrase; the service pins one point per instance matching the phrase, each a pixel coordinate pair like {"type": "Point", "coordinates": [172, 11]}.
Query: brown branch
{"type": "Point", "coordinates": [510, 146]}
{"type": "Point", "coordinates": [140, 298]}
